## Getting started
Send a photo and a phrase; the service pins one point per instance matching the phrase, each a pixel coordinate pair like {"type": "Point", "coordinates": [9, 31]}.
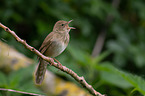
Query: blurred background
{"type": "Point", "coordinates": [107, 47]}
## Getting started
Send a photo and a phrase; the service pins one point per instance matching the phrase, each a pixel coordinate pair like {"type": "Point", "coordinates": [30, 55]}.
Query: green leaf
{"type": "Point", "coordinates": [30, 88]}
{"type": "Point", "coordinates": [21, 77]}
{"type": "Point", "coordinates": [15, 78]}
{"type": "Point", "coordinates": [3, 80]}
{"type": "Point", "coordinates": [120, 78]}
{"type": "Point", "coordinates": [78, 54]}
{"type": "Point", "coordinates": [115, 79]}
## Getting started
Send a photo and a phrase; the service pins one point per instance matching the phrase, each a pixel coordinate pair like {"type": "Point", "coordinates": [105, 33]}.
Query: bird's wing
{"type": "Point", "coordinates": [46, 43]}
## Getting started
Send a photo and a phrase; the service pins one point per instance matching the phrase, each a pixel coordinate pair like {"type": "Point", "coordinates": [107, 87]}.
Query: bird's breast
{"type": "Point", "coordinates": [56, 48]}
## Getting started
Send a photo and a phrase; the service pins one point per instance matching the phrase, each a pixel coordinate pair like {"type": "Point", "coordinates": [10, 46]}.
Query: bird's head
{"type": "Point", "coordinates": [62, 26]}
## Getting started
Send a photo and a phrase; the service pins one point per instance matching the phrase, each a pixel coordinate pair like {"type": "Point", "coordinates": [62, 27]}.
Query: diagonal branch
{"type": "Point", "coordinates": [20, 92]}
{"type": "Point", "coordinates": [80, 80]}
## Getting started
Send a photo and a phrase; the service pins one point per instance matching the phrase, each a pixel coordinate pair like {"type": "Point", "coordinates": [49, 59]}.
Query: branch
{"type": "Point", "coordinates": [80, 80]}
{"type": "Point", "coordinates": [102, 35]}
{"type": "Point", "coordinates": [20, 92]}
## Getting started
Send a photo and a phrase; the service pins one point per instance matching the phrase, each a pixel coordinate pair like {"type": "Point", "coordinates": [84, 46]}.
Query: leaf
{"type": "Point", "coordinates": [30, 88]}
{"type": "Point", "coordinates": [120, 78]}
{"type": "Point", "coordinates": [77, 54]}
{"type": "Point", "coordinates": [3, 80]}
{"type": "Point", "coordinates": [20, 77]}
{"type": "Point", "coordinates": [115, 79]}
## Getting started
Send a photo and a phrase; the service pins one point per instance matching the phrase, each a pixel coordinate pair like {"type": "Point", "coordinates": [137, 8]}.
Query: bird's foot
{"type": "Point", "coordinates": [58, 63]}
{"type": "Point", "coordinates": [50, 64]}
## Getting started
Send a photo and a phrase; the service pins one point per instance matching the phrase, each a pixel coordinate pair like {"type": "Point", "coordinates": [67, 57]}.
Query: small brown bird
{"type": "Point", "coordinates": [53, 45]}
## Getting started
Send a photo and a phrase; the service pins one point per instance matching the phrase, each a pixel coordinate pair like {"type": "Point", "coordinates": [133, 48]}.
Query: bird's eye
{"type": "Point", "coordinates": [62, 24]}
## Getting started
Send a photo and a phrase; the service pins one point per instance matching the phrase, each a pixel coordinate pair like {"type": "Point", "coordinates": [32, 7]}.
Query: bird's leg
{"type": "Point", "coordinates": [50, 64]}
{"type": "Point", "coordinates": [59, 64]}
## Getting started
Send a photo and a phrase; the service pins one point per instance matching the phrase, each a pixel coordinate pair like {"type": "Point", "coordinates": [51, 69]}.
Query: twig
{"type": "Point", "coordinates": [80, 80]}
{"type": "Point", "coordinates": [20, 92]}
{"type": "Point", "coordinates": [102, 35]}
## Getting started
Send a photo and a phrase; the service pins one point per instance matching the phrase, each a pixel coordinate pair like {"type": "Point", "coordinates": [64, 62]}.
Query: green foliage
{"type": "Point", "coordinates": [124, 44]}
{"type": "Point", "coordinates": [3, 80]}
{"type": "Point", "coordinates": [20, 80]}
{"type": "Point", "coordinates": [120, 78]}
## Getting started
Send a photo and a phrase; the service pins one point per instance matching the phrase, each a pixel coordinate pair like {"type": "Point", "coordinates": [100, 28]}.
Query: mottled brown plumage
{"type": "Point", "coordinates": [53, 45]}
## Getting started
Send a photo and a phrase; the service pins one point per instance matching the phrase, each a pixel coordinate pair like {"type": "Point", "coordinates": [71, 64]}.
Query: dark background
{"type": "Point", "coordinates": [123, 51]}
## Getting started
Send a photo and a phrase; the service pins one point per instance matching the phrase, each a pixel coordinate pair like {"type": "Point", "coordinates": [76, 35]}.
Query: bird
{"type": "Point", "coordinates": [53, 45]}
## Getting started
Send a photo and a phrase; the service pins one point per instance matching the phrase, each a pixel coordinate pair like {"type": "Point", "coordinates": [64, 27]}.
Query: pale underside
{"type": "Point", "coordinates": [55, 48]}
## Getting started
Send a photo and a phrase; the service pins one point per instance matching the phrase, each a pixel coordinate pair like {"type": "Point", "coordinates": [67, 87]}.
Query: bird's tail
{"type": "Point", "coordinates": [40, 71]}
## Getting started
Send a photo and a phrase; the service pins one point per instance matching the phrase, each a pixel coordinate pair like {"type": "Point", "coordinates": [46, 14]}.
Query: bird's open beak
{"type": "Point", "coordinates": [70, 21]}
{"type": "Point", "coordinates": [71, 27]}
